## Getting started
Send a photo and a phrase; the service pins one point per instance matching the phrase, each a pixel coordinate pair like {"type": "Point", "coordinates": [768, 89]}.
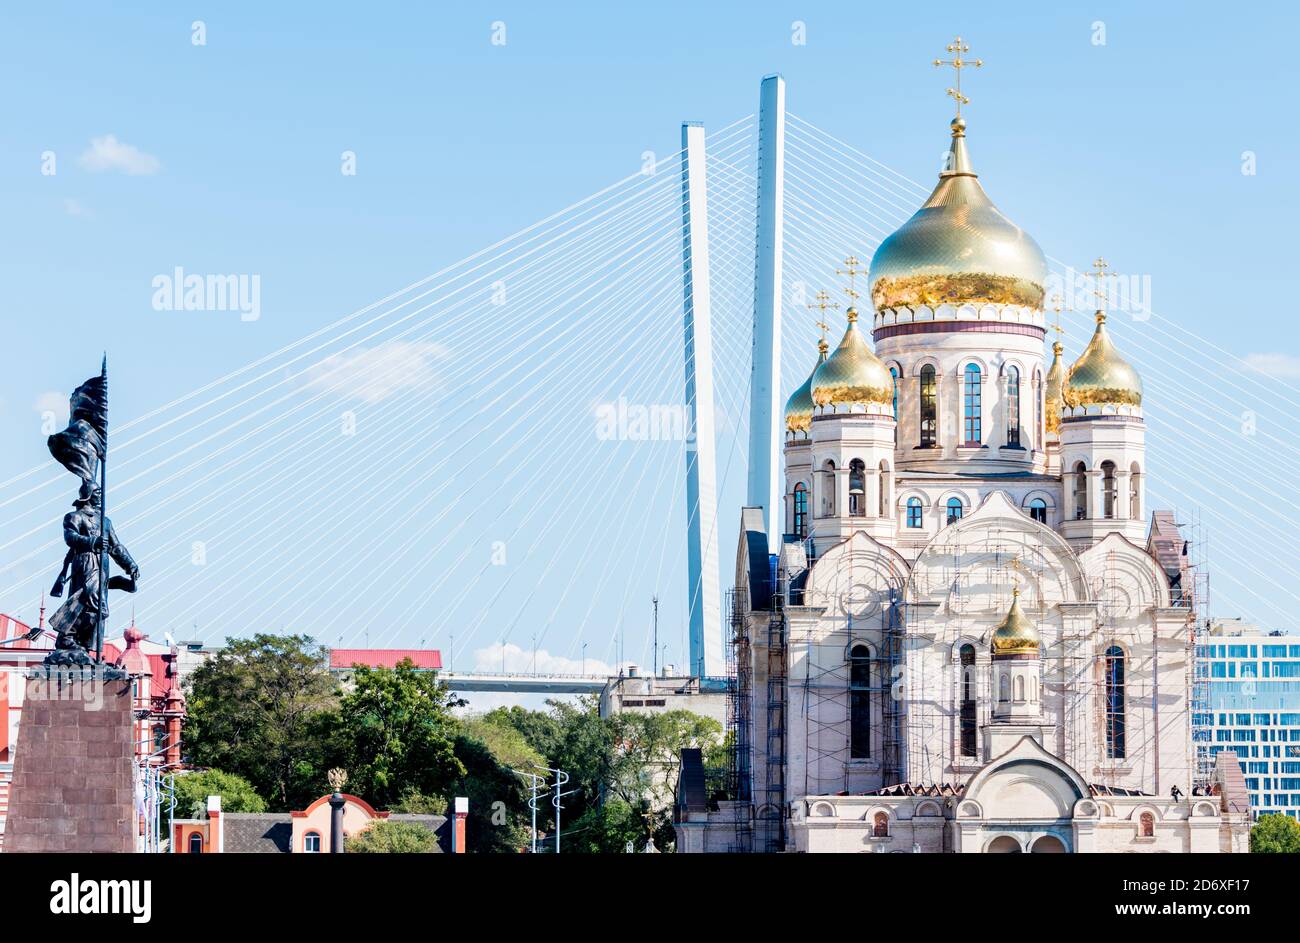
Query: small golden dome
{"type": "Point", "coordinates": [1101, 377]}
{"type": "Point", "coordinates": [958, 248]}
{"type": "Point", "coordinates": [799, 407]}
{"type": "Point", "coordinates": [854, 375]}
{"type": "Point", "coordinates": [1015, 636]}
{"type": "Point", "coordinates": [1052, 401]}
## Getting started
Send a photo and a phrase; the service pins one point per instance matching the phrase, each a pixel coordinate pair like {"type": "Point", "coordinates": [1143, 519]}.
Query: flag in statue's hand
{"type": "Point", "coordinates": [78, 447]}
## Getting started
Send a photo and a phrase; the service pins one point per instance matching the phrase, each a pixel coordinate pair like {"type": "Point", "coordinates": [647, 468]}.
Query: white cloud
{"type": "Point", "coordinates": [520, 661]}
{"type": "Point", "coordinates": [73, 208]}
{"type": "Point", "coordinates": [375, 373]}
{"type": "Point", "coordinates": [56, 403]}
{"type": "Point", "coordinates": [1282, 366]}
{"type": "Point", "coordinates": [108, 154]}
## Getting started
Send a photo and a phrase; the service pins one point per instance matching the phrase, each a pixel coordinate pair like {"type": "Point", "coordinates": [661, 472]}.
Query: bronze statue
{"type": "Point", "coordinates": [82, 449]}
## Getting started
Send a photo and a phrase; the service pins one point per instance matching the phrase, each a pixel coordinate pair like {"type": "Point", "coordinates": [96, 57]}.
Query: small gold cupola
{"type": "Point", "coordinates": [799, 407]}
{"type": "Point", "coordinates": [853, 375]}
{"type": "Point", "coordinates": [1015, 636]}
{"type": "Point", "coordinates": [1101, 377]}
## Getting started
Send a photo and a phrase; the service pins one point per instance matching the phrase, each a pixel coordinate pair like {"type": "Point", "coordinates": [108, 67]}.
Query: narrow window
{"type": "Point", "coordinates": [914, 512]}
{"type": "Point", "coordinates": [954, 510]}
{"type": "Point", "coordinates": [1135, 493]}
{"type": "Point", "coordinates": [1109, 492]}
{"type": "Point", "coordinates": [1080, 491]}
{"type": "Point", "coordinates": [880, 825]}
{"type": "Point", "coordinates": [1038, 510]}
{"type": "Point", "coordinates": [974, 432]}
{"type": "Point", "coordinates": [1013, 406]}
{"type": "Point", "coordinates": [1004, 688]}
{"type": "Point", "coordinates": [1114, 667]}
{"type": "Point", "coordinates": [857, 488]}
{"type": "Point", "coordinates": [859, 702]}
{"type": "Point", "coordinates": [801, 510]}
{"type": "Point", "coordinates": [826, 489]}
{"type": "Point", "coordinates": [196, 844]}
{"type": "Point", "coordinates": [968, 700]}
{"type": "Point", "coordinates": [893, 372]}
{"type": "Point", "coordinates": [883, 509]}
{"type": "Point", "coordinates": [1147, 829]}
{"type": "Point", "coordinates": [929, 408]}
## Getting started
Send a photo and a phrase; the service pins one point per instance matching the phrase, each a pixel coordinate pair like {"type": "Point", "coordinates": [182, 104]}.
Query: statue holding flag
{"type": "Point", "coordinates": [82, 449]}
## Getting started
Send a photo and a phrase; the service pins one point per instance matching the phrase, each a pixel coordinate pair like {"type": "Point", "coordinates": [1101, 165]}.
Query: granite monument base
{"type": "Point", "coordinates": [73, 785]}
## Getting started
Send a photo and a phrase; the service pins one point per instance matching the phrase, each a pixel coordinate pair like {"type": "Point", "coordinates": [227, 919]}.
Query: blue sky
{"type": "Point", "coordinates": [225, 158]}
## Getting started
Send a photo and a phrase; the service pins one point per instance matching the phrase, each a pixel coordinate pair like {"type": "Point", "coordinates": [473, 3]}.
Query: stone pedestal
{"type": "Point", "coordinates": [73, 786]}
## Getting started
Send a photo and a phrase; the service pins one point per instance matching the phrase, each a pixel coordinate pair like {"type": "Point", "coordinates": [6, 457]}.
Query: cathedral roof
{"type": "Point", "coordinates": [958, 248]}
{"type": "Point", "coordinates": [1101, 377]}
{"type": "Point", "coordinates": [1052, 400]}
{"type": "Point", "coordinates": [854, 375]}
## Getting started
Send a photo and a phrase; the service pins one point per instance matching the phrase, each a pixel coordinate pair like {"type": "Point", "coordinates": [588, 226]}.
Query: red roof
{"type": "Point", "coordinates": [385, 657]}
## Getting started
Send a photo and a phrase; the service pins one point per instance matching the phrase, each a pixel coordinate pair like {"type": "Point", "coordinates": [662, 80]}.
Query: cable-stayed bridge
{"type": "Point", "coordinates": [502, 450]}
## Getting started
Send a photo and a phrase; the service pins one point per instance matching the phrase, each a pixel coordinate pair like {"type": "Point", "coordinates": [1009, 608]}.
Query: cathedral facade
{"type": "Point", "coordinates": [968, 639]}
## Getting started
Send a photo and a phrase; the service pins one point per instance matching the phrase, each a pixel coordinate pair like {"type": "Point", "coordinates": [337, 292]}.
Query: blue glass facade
{"type": "Point", "coordinates": [1249, 702]}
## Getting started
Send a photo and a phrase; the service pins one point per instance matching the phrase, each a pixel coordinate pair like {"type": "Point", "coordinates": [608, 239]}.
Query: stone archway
{"type": "Point", "coordinates": [1003, 845]}
{"type": "Point", "coordinates": [1047, 845]}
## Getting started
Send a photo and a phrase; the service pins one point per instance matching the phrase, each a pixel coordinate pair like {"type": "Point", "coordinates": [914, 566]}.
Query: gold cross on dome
{"type": "Point", "coordinates": [1057, 302]}
{"type": "Point", "coordinates": [852, 270]}
{"type": "Point", "coordinates": [957, 47]}
{"type": "Point", "coordinates": [822, 304]}
{"type": "Point", "coordinates": [1100, 275]}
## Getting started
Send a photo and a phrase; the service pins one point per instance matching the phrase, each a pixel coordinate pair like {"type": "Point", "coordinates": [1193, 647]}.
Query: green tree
{"type": "Point", "coordinates": [416, 803]}
{"type": "Point", "coordinates": [540, 729]}
{"type": "Point", "coordinates": [606, 829]}
{"type": "Point", "coordinates": [384, 836]}
{"type": "Point", "coordinates": [260, 709]}
{"type": "Point", "coordinates": [648, 760]}
{"type": "Point", "coordinates": [237, 793]}
{"type": "Point", "coordinates": [1272, 834]}
{"type": "Point", "coordinates": [396, 734]}
{"type": "Point", "coordinates": [507, 744]}
{"type": "Point", "coordinates": [497, 800]}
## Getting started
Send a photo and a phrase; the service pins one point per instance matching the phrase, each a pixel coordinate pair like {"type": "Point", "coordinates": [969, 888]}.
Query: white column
{"type": "Point", "coordinates": [765, 377]}
{"type": "Point", "coordinates": [701, 476]}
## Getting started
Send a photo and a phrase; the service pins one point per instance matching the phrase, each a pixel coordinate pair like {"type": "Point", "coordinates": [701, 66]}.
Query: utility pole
{"type": "Point", "coordinates": [655, 601]}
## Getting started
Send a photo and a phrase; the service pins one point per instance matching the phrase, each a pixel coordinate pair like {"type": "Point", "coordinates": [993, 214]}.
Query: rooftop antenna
{"type": "Point", "coordinates": [655, 602]}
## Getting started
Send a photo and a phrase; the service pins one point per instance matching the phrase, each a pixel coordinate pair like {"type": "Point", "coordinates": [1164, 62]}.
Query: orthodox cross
{"type": "Point", "coordinates": [1100, 275]}
{"type": "Point", "coordinates": [957, 47]}
{"type": "Point", "coordinates": [852, 270]}
{"type": "Point", "coordinates": [1056, 306]}
{"type": "Point", "coordinates": [822, 304]}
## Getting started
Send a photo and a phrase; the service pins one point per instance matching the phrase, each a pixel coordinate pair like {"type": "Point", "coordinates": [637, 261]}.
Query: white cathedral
{"type": "Point", "coordinates": [968, 641]}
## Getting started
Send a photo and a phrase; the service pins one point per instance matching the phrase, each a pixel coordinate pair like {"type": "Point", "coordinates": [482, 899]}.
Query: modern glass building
{"type": "Point", "coordinates": [1247, 700]}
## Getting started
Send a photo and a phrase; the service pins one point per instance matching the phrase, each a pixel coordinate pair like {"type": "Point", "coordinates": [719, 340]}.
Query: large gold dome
{"type": "Point", "coordinates": [1101, 377]}
{"type": "Point", "coordinates": [799, 407]}
{"type": "Point", "coordinates": [1015, 636]}
{"type": "Point", "coordinates": [958, 248]}
{"type": "Point", "coordinates": [854, 375]}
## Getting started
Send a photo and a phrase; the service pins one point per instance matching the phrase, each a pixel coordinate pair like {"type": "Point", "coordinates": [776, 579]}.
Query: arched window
{"type": "Point", "coordinates": [1108, 490]}
{"type": "Point", "coordinates": [1114, 668]}
{"type": "Point", "coordinates": [1020, 687]}
{"type": "Point", "coordinates": [1147, 825]}
{"type": "Point", "coordinates": [1080, 491]}
{"type": "Point", "coordinates": [1038, 510]}
{"type": "Point", "coordinates": [1004, 687]}
{"type": "Point", "coordinates": [893, 372]}
{"type": "Point", "coordinates": [1135, 493]}
{"type": "Point", "coordinates": [883, 510]}
{"type": "Point", "coordinates": [857, 488]}
{"type": "Point", "coordinates": [954, 510]}
{"type": "Point", "coordinates": [1013, 406]}
{"type": "Point", "coordinates": [826, 489]}
{"type": "Point", "coordinates": [968, 700]}
{"type": "Point", "coordinates": [801, 510]}
{"type": "Point", "coordinates": [971, 410]}
{"type": "Point", "coordinates": [196, 843]}
{"type": "Point", "coordinates": [914, 513]}
{"type": "Point", "coordinates": [311, 843]}
{"type": "Point", "coordinates": [880, 825]}
{"type": "Point", "coordinates": [929, 408]}
{"type": "Point", "coordinates": [859, 702]}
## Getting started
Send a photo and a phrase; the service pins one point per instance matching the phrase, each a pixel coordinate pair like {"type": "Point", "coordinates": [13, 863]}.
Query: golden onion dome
{"type": "Point", "coordinates": [1101, 377]}
{"type": "Point", "coordinates": [958, 248]}
{"type": "Point", "coordinates": [1052, 401]}
{"type": "Point", "coordinates": [853, 375]}
{"type": "Point", "coordinates": [1015, 636]}
{"type": "Point", "coordinates": [799, 407]}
